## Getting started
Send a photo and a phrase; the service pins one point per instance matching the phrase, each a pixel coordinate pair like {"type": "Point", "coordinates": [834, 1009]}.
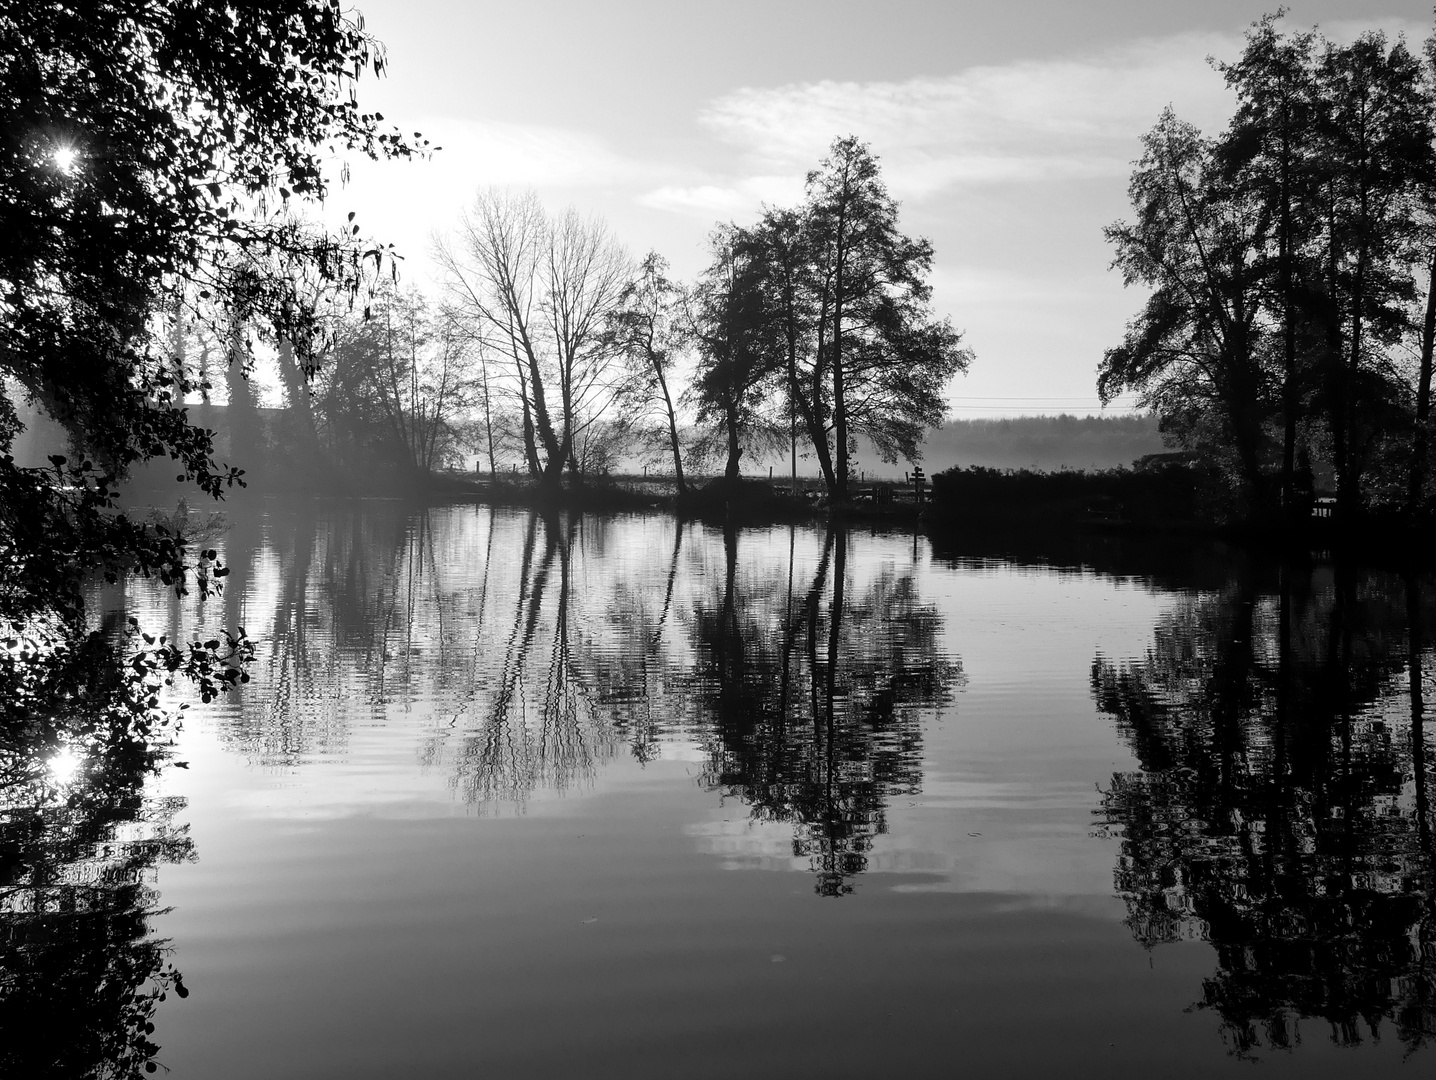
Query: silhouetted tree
{"type": "Point", "coordinates": [886, 358]}
{"type": "Point", "coordinates": [139, 150]}
{"type": "Point", "coordinates": [646, 328]}
{"type": "Point", "coordinates": [1267, 155]}
{"type": "Point", "coordinates": [1375, 159]}
{"type": "Point", "coordinates": [1284, 257]}
{"type": "Point", "coordinates": [730, 324]}
{"type": "Point", "coordinates": [1196, 350]}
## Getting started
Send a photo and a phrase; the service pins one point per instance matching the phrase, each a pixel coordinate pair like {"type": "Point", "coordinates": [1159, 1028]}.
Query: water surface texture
{"type": "Point", "coordinates": [536, 796]}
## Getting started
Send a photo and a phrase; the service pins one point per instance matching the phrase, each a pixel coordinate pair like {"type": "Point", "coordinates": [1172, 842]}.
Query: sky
{"type": "Point", "coordinates": [1006, 131]}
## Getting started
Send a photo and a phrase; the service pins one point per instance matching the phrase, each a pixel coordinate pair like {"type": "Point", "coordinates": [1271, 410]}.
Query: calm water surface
{"type": "Point", "coordinates": [526, 796]}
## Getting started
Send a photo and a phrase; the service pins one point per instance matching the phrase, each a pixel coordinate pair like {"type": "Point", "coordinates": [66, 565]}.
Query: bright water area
{"type": "Point", "coordinates": [518, 795]}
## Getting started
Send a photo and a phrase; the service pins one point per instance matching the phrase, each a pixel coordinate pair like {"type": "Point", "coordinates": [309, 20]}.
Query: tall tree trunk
{"type": "Point", "coordinates": [1337, 389]}
{"type": "Point", "coordinates": [812, 410]}
{"type": "Point", "coordinates": [531, 457]}
{"type": "Point", "coordinates": [1289, 402]}
{"type": "Point", "coordinates": [1416, 486]}
{"type": "Point", "coordinates": [542, 425]}
{"type": "Point", "coordinates": [673, 442]}
{"type": "Point", "coordinates": [735, 445]}
{"type": "Point", "coordinates": [301, 411]}
{"type": "Point", "coordinates": [242, 414]}
{"type": "Point", "coordinates": [840, 404]}
{"type": "Point", "coordinates": [488, 416]}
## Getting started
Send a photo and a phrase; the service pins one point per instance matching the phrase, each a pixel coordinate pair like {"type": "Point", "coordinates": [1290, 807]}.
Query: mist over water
{"type": "Point", "coordinates": [538, 794]}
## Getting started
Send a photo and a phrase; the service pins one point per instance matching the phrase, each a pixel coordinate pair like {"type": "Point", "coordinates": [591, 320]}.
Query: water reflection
{"type": "Point", "coordinates": [1282, 810]}
{"type": "Point", "coordinates": [815, 691]}
{"type": "Point", "coordinates": [81, 972]}
{"type": "Point", "coordinates": [540, 718]}
{"type": "Point", "coordinates": [529, 648]}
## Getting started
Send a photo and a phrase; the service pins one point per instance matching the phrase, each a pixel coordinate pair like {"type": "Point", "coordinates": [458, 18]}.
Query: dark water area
{"type": "Point", "coordinates": [525, 795]}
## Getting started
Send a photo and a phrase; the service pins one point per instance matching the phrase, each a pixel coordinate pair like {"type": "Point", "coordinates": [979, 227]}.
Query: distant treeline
{"type": "Point", "coordinates": [1042, 442]}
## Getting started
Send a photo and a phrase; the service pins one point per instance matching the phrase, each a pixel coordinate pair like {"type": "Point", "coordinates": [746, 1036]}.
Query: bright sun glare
{"type": "Point", "coordinates": [64, 765]}
{"type": "Point", "coordinates": [65, 157]}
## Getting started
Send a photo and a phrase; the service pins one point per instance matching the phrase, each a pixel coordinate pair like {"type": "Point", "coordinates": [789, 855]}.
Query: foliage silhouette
{"type": "Point", "coordinates": [1282, 812]}
{"type": "Point", "coordinates": [819, 724]}
{"type": "Point", "coordinates": [1287, 337]}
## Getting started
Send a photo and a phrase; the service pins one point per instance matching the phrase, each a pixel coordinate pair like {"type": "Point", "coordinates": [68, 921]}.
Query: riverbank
{"type": "Point", "coordinates": [1162, 495]}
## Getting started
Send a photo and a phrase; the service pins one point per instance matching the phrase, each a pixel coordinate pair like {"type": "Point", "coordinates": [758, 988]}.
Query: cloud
{"type": "Point", "coordinates": [495, 153]}
{"type": "Point", "coordinates": [407, 203]}
{"type": "Point", "coordinates": [1034, 121]}
{"type": "Point", "coordinates": [1028, 121]}
{"type": "Point", "coordinates": [531, 155]}
{"type": "Point", "coordinates": [725, 200]}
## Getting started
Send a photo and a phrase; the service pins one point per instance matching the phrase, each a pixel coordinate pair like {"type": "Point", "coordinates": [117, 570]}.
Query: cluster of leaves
{"type": "Point", "coordinates": [1289, 329]}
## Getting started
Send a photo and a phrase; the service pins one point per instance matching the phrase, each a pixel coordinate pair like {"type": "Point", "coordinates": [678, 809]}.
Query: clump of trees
{"type": "Point", "coordinates": [394, 389]}
{"type": "Point", "coordinates": [810, 328]}
{"type": "Point", "coordinates": [147, 157]}
{"type": "Point", "coordinates": [818, 319]}
{"type": "Point", "coordinates": [1291, 262]}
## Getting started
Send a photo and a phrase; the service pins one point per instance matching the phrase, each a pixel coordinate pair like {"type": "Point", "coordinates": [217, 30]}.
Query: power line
{"type": "Point", "coordinates": [1017, 397]}
{"type": "Point", "coordinates": [1053, 405]}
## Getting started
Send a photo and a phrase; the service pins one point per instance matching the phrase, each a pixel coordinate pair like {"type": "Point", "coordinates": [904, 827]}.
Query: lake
{"type": "Point", "coordinates": [536, 796]}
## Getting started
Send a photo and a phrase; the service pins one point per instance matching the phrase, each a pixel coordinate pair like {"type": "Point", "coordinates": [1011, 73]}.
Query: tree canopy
{"type": "Point", "coordinates": [838, 306]}
{"type": "Point", "coordinates": [1290, 263]}
{"type": "Point", "coordinates": [147, 153]}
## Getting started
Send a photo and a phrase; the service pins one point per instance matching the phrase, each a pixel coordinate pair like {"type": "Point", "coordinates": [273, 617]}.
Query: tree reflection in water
{"type": "Point", "coordinates": [81, 973]}
{"type": "Point", "coordinates": [532, 647]}
{"type": "Point", "coordinates": [1282, 808]}
{"type": "Point", "coordinates": [815, 695]}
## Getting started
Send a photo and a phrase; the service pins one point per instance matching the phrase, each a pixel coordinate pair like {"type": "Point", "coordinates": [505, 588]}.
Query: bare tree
{"type": "Point", "coordinates": [422, 376]}
{"type": "Point", "coordinates": [396, 387]}
{"type": "Point", "coordinates": [540, 290]}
